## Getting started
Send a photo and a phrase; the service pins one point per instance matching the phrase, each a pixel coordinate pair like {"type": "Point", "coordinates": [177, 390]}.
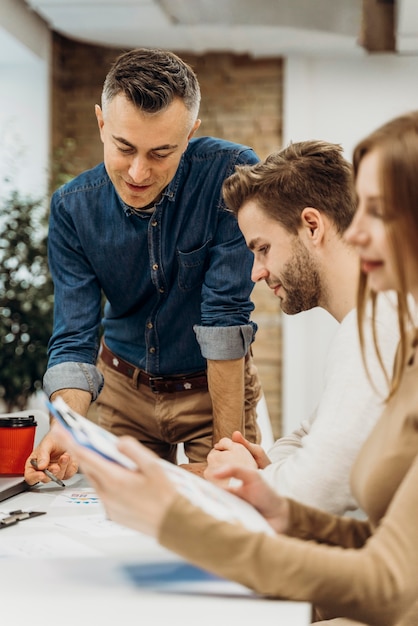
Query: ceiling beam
{"type": "Point", "coordinates": [378, 26]}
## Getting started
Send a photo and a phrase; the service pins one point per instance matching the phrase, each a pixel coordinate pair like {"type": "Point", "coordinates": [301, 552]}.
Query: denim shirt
{"type": "Point", "coordinates": [176, 282]}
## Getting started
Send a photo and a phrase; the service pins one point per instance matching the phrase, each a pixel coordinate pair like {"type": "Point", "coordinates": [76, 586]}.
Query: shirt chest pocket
{"type": "Point", "coordinates": [192, 267]}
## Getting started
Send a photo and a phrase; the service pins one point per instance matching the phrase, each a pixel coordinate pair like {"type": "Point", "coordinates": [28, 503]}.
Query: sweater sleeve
{"type": "Point", "coordinates": [374, 584]}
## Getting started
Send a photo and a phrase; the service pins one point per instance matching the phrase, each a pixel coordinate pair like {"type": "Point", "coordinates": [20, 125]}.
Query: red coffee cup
{"type": "Point", "coordinates": [17, 436]}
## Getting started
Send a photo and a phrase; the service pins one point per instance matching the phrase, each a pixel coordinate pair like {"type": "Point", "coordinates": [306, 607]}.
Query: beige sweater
{"type": "Point", "coordinates": [360, 570]}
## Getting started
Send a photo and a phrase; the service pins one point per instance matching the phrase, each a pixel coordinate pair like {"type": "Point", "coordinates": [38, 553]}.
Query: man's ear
{"type": "Point", "coordinates": [100, 121]}
{"type": "Point", "coordinates": [194, 129]}
{"type": "Point", "coordinates": [313, 225]}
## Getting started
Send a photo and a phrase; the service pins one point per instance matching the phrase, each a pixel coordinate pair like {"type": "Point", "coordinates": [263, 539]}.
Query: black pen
{"type": "Point", "coordinates": [50, 475]}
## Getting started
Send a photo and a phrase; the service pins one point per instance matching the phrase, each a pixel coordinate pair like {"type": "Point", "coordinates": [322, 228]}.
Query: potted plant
{"type": "Point", "coordinates": [26, 299]}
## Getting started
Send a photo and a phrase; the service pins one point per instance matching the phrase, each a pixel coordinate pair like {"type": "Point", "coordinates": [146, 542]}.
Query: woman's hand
{"type": "Point", "coordinates": [249, 485]}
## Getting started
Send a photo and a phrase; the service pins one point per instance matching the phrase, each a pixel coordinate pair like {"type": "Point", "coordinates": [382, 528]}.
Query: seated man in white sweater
{"type": "Point", "coordinates": [293, 209]}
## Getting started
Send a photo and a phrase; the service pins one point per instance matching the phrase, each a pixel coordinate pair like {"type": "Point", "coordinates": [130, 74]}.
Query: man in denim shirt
{"type": "Point", "coordinates": [148, 230]}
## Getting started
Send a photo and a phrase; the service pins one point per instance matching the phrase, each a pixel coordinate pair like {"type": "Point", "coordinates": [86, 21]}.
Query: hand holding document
{"type": "Point", "coordinates": [212, 499]}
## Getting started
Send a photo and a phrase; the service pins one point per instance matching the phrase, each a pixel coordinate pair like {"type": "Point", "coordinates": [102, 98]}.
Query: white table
{"type": "Point", "coordinates": [68, 567]}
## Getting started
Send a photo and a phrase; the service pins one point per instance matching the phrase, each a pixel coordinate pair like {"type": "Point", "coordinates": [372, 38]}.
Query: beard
{"type": "Point", "coordinates": [301, 281]}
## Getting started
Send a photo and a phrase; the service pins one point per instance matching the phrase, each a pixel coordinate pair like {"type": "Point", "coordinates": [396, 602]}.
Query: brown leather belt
{"type": "Point", "coordinates": [157, 384]}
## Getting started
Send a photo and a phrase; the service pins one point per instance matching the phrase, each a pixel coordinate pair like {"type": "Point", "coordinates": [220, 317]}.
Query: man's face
{"type": "Point", "coordinates": [142, 151]}
{"type": "Point", "coordinates": [281, 259]}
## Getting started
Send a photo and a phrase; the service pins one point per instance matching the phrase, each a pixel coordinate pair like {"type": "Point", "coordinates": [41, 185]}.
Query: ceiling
{"type": "Point", "coordinates": [255, 27]}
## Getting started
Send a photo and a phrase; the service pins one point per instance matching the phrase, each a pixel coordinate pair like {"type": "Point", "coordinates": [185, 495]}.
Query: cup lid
{"type": "Point", "coordinates": [17, 421]}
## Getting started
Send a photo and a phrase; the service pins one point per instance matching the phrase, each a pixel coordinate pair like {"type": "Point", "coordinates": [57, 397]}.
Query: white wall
{"type": "Point", "coordinates": [338, 100]}
{"type": "Point", "coordinates": [341, 100]}
{"type": "Point", "coordinates": [24, 128]}
{"type": "Point", "coordinates": [25, 44]}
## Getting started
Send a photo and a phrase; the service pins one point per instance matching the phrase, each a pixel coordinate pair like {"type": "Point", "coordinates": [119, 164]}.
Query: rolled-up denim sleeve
{"type": "Point", "coordinates": [73, 375]}
{"type": "Point", "coordinates": [222, 343]}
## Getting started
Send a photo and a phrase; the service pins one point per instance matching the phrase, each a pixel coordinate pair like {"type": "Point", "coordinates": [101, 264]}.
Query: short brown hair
{"type": "Point", "coordinates": [305, 174]}
{"type": "Point", "coordinates": [151, 78]}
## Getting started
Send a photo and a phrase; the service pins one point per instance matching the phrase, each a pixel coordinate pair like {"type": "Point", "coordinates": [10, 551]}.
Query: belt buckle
{"type": "Point", "coordinates": [152, 380]}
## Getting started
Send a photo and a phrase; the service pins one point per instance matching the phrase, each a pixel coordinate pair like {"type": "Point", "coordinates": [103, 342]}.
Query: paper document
{"type": "Point", "coordinates": [182, 577]}
{"type": "Point", "coordinates": [212, 499]}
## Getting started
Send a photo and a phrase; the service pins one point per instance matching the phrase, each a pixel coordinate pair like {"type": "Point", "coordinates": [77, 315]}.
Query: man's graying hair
{"type": "Point", "coordinates": [305, 174]}
{"type": "Point", "coordinates": [151, 79]}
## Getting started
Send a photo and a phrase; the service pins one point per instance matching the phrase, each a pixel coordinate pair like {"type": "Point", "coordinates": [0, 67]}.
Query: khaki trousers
{"type": "Point", "coordinates": [162, 421]}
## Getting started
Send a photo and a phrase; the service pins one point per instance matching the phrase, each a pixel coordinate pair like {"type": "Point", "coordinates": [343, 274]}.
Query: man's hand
{"type": "Point", "coordinates": [258, 453]}
{"type": "Point", "coordinates": [50, 454]}
{"type": "Point", "coordinates": [226, 452]}
{"type": "Point", "coordinates": [235, 451]}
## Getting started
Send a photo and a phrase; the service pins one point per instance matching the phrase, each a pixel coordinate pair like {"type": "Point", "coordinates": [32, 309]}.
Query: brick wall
{"type": "Point", "coordinates": [241, 101]}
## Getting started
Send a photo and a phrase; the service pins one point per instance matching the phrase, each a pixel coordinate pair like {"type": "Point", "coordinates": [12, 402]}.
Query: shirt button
{"type": "Point", "coordinates": [152, 350]}
{"type": "Point", "coordinates": [161, 290]}
{"type": "Point", "coordinates": [155, 266]}
{"type": "Point", "coordinates": [149, 325]}
{"type": "Point", "coordinates": [154, 223]}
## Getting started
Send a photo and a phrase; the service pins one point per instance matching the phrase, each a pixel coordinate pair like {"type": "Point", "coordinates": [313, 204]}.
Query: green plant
{"type": "Point", "coordinates": [63, 164]}
{"type": "Point", "coordinates": [26, 299]}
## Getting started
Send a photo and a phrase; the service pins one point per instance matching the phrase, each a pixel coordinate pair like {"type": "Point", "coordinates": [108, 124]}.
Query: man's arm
{"type": "Point", "coordinates": [78, 399]}
{"type": "Point", "coordinates": [225, 332]}
{"type": "Point", "coordinates": [226, 388]}
{"type": "Point", "coordinates": [224, 349]}
{"type": "Point", "coordinates": [78, 383]}
{"type": "Point", "coordinates": [50, 453]}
